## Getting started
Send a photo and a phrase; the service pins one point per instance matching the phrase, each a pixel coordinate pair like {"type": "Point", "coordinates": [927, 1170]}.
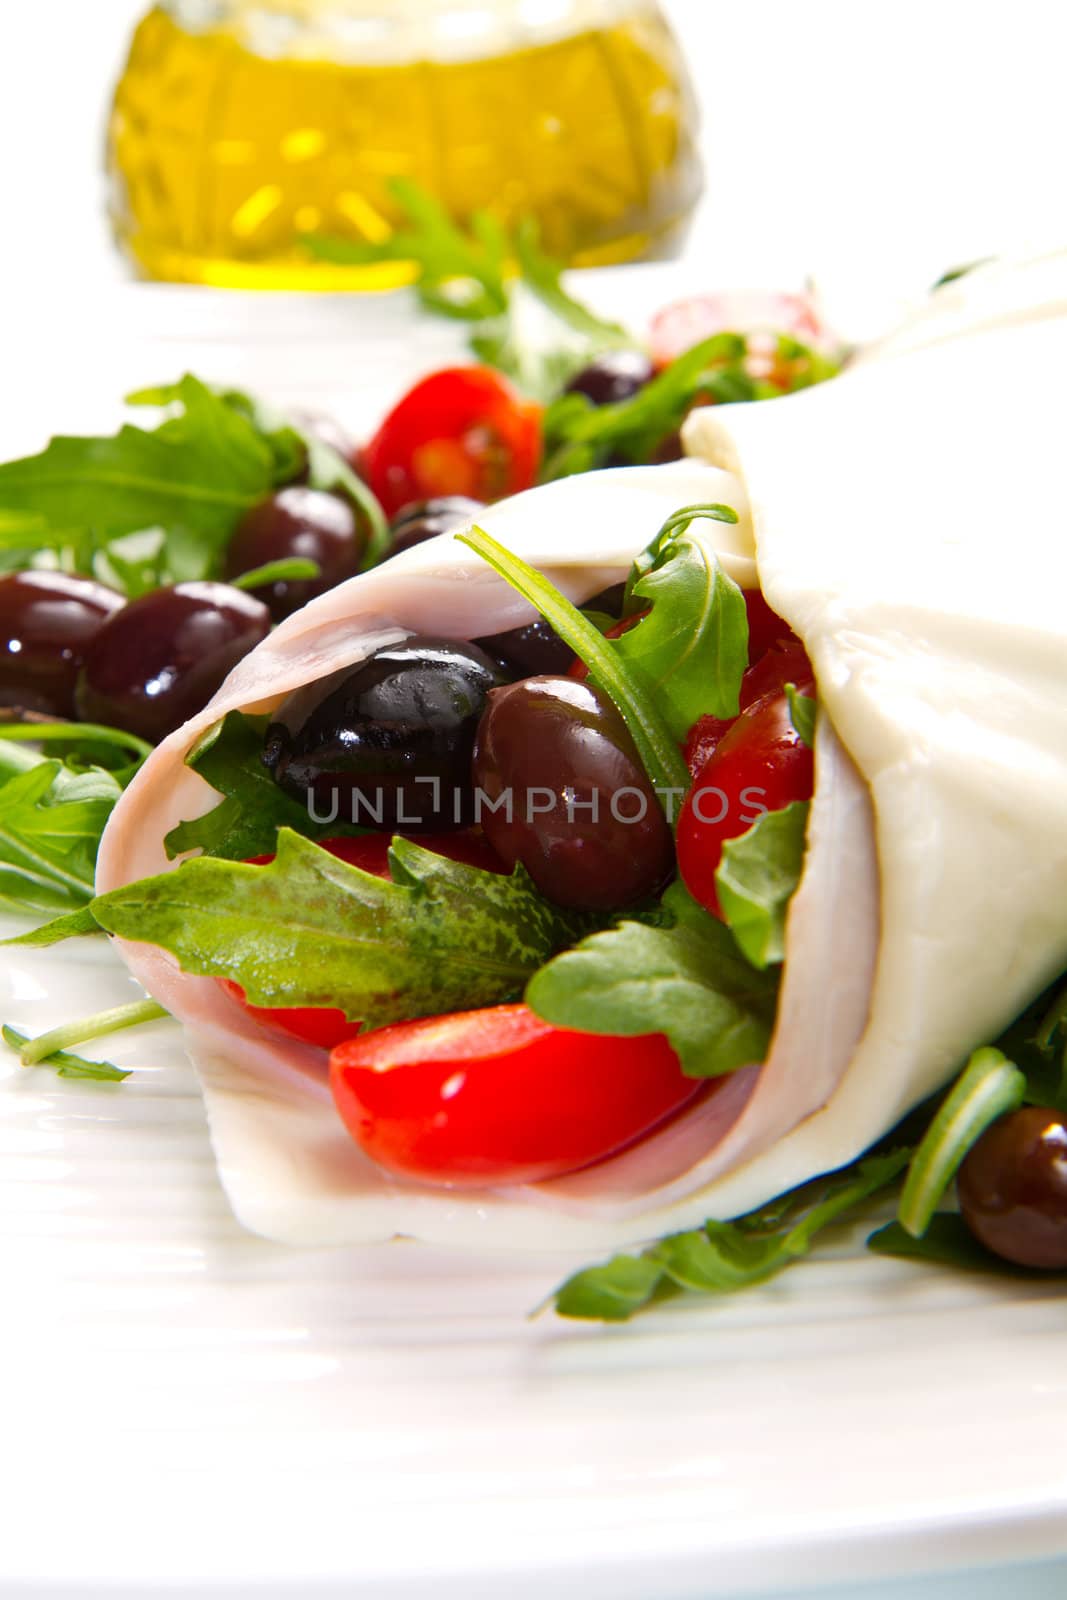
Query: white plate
{"type": "Point", "coordinates": [181, 1403]}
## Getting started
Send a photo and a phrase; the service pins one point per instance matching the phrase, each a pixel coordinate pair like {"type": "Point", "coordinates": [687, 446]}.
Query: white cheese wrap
{"type": "Point", "coordinates": [908, 522]}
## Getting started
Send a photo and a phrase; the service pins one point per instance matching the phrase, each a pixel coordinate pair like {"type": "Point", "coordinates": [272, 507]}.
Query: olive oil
{"type": "Point", "coordinates": [229, 145]}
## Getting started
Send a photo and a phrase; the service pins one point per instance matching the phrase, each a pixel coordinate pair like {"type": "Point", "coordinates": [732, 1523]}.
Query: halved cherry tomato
{"type": "Point", "coordinates": [765, 627]}
{"type": "Point", "coordinates": [326, 1026]}
{"type": "Point", "coordinates": [760, 765]}
{"type": "Point", "coordinates": [678, 327]}
{"type": "Point", "coordinates": [462, 431]}
{"type": "Point", "coordinates": [785, 662]}
{"type": "Point", "coordinates": [500, 1097]}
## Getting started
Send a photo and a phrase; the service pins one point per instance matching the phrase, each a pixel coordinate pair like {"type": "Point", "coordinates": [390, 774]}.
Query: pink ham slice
{"type": "Point", "coordinates": [334, 1194]}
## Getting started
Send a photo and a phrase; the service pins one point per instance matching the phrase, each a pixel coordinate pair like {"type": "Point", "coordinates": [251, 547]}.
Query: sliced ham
{"type": "Point", "coordinates": [908, 522]}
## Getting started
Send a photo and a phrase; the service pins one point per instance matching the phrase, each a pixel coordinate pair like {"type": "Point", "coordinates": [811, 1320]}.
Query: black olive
{"type": "Point", "coordinates": [47, 622]}
{"type": "Point", "coordinates": [1013, 1188]}
{"type": "Point", "coordinates": [325, 528]}
{"type": "Point", "coordinates": [527, 651]}
{"type": "Point", "coordinates": [420, 520]}
{"type": "Point", "coordinates": [387, 743]}
{"type": "Point", "coordinates": [616, 375]}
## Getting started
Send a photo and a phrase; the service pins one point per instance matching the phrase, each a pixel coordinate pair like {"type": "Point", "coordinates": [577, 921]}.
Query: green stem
{"type": "Point", "coordinates": [90, 732]}
{"type": "Point", "coordinates": [71, 1033]}
{"type": "Point", "coordinates": [660, 755]}
{"type": "Point", "coordinates": [293, 569]}
{"type": "Point", "coordinates": [990, 1086]}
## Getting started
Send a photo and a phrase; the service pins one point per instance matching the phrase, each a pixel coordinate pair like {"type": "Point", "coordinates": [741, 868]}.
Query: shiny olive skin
{"type": "Point", "coordinates": [609, 601]}
{"type": "Point", "coordinates": [158, 662]}
{"type": "Point", "coordinates": [526, 652]}
{"type": "Point", "coordinates": [387, 742]}
{"type": "Point", "coordinates": [426, 519]}
{"type": "Point", "coordinates": [616, 375]}
{"type": "Point", "coordinates": [324, 528]}
{"type": "Point", "coordinates": [560, 748]}
{"type": "Point", "coordinates": [536, 649]}
{"type": "Point", "coordinates": [1012, 1188]}
{"type": "Point", "coordinates": [321, 428]}
{"type": "Point", "coordinates": [47, 622]}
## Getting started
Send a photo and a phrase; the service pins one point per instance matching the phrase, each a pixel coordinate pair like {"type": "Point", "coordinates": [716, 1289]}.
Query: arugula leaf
{"type": "Point", "coordinates": [683, 977]}
{"type": "Point", "coordinates": [310, 930]}
{"type": "Point", "coordinates": [293, 450]}
{"type": "Point", "coordinates": [52, 813]}
{"type": "Point", "coordinates": [989, 1086]}
{"type": "Point", "coordinates": [580, 436]}
{"type": "Point", "coordinates": [655, 744]}
{"type": "Point", "coordinates": [802, 713]}
{"type": "Point", "coordinates": [758, 877]}
{"type": "Point", "coordinates": [457, 274]}
{"type": "Point", "coordinates": [468, 275]}
{"type": "Point", "coordinates": [70, 925]}
{"type": "Point", "coordinates": [50, 824]}
{"type": "Point", "coordinates": [246, 821]}
{"type": "Point", "coordinates": [691, 650]}
{"type": "Point", "coordinates": [1037, 1042]}
{"type": "Point", "coordinates": [722, 1257]}
{"type": "Point", "coordinates": [613, 1292]}
{"type": "Point", "coordinates": [65, 1064]}
{"type": "Point", "coordinates": [195, 476]}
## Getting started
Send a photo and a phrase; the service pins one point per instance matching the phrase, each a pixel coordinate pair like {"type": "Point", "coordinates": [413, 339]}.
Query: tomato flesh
{"type": "Point", "coordinates": [497, 1096]}
{"type": "Point", "coordinates": [462, 431]}
{"type": "Point", "coordinates": [760, 764]}
{"type": "Point", "coordinates": [326, 1026]}
{"type": "Point", "coordinates": [785, 661]}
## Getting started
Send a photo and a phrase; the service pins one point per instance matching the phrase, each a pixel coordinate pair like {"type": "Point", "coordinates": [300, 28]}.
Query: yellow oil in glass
{"type": "Point", "coordinates": [223, 158]}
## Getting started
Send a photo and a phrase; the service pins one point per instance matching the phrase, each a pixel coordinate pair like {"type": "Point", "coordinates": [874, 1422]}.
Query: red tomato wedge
{"type": "Point", "coordinates": [461, 431]}
{"type": "Point", "coordinates": [785, 662]}
{"type": "Point", "coordinates": [761, 764]}
{"type": "Point", "coordinates": [498, 1096]}
{"type": "Point", "coordinates": [326, 1026]}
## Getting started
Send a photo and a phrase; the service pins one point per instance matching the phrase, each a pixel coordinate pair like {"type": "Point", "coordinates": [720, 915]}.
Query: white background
{"type": "Point", "coordinates": [870, 142]}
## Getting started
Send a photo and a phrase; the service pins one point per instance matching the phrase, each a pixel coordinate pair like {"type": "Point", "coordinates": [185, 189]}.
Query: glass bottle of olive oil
{"type": "Point", "coordinates": [241, 126]}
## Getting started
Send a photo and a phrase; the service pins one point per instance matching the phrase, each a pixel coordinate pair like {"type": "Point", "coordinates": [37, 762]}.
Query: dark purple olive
{"type": "Point", "coordinates": [324, 528]}
{"type": "Point", "coordinates": [1012, 1188]}
{"type": "Point", "coordinates": [426, 519]}
{"type": "Point", "coordinates": [321, 428]}
{"type": "Point", "coordinates": [616, 375]}
{"type": "Point", "coordinates": [536, 649]}
{"type": "Point", "coordinates": [528, 651]}
{"type": "Point", "coordinates": [159, 661]}
{"type": "Point", "coordinates": [561, 788]}
{"type": "Point", "coordinates": [670, 448]}
{"type": "Point", "coordinates": [609, 602]}
{"type": "Point", "coordinates": [387, 743]}
{"type": "Point", "coordinates": [47, 621]}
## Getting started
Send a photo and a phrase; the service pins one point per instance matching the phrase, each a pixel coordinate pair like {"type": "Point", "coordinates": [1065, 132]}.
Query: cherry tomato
{"type": "Point", "coordinates": [326, 1026]}
{"type": "Point", "coordinates": [765, 627]}
{"type": "Point", "coordinates": [500, 1097]}
{"type": "Point", "coordinates": [680, 326]}
{"type": "Point", "coordinates": [579, 669]}
{"type": "Point", "coordinates": [462, 431]}
{"type": "Point", "coordinates": [761, 764]}
{"type": "Point", "coordinates": [785, 662]}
